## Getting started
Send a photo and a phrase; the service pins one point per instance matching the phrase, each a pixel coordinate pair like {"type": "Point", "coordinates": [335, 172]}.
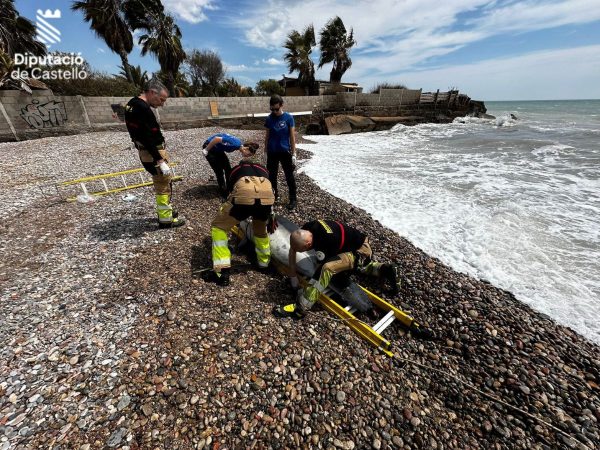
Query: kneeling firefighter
{"type": "Point", "coordinates": [145, 132]}
{"type": "Point", "coordinates": [251, 196]}
{"type": "Point", "coordinates": [341, 249]}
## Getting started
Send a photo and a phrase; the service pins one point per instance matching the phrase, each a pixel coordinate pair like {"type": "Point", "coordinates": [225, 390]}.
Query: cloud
{"type": "Point", "coordinates": [272, 62]}
{"type": "Point", "coordinates": [542, 75]}
{"type": "Point", "coordinates": [189, 10]}
{"type": "Point", "coordinates": [395, 36]}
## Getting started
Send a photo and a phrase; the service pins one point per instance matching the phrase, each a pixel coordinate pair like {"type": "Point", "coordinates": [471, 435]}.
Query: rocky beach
{"type": "Point", "coordinates": [102, 347]}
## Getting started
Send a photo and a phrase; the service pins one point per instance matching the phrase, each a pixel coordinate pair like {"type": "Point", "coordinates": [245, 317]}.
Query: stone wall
{"type": "Point", "coordinates": [26, 116]}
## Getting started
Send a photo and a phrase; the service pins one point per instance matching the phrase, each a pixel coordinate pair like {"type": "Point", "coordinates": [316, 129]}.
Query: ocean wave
{"type": "Point", "coordinates": [553, 150]}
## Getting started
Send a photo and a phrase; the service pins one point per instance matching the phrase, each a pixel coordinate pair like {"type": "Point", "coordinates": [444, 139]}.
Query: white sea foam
{"type": "Point", "coordinates": [508, 208]}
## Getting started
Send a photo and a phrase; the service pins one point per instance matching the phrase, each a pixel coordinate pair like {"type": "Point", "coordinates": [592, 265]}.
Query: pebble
{"type": "Point", "coordinates": [103, 348]}
{"type": "Point", "coordinates": [116, 437]}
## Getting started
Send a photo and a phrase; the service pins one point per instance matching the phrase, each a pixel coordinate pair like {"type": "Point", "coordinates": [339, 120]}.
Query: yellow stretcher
{"type": "Point", "coordinates": [139, 180]}
{"type": "Point", "coordinates": [371, 334]}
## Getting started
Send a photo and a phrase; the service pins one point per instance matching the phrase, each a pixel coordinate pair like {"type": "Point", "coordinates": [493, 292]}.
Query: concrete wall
{"type": "Point", "coordinates": [25, 116]}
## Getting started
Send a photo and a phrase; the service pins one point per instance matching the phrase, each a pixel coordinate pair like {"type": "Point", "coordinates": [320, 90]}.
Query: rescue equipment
{"type": "Point", "coordinates": [125, 180]}
{"type": "Point", "coordinates": [332, 297]}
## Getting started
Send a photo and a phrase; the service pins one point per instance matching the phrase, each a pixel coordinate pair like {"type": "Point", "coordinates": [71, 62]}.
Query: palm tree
{"type": "Point", "coordinates": [107, 18]}
{"type": "Point", "coordinates": [335, 44]}
{"type": "Point", "coordinates": [163, 39]}
{"type": "Point", "coordinates": [17, 34]}
{"type": "Point", "coordinates": [138, 75]}
{"type": "Point", "coordinates": [299, 47]}
{"type": "Point", "coordinates": [181, 85]}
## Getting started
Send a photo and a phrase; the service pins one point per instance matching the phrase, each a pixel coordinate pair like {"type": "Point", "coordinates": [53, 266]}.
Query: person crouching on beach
{"type": "Point", "coordinates": [215, 149]}
{"type": "Point", "coordinates": [280, 144]}
{"type": "Point", "coordinates": [251, 196]}
{"type": "Point", "coordinates": [340, 249]}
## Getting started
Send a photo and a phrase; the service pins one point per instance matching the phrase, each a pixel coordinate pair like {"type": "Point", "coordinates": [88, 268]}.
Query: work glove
{"type": "Point", "coordinates": [205, 152]}
{"type": "Point", "coordinates": [165, 169]}
{"type": "Point", "coordinates": [294, 160]}
{"type": "Point", "coordinates": [272, 224]}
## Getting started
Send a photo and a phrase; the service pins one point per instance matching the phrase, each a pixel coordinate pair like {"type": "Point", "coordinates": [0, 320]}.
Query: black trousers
{"type": "Point", "coordinates": [219, 162]}
{"type": "Point", "coordinates": [285, 158]}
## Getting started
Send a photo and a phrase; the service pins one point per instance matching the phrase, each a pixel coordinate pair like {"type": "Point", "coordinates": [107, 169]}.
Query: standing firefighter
{"type": "Point", "coordinates": [145, 132]}
{"type": "Point", "coordinates": [251, 196]}
{"type": "Point", "coordinates": [341, 249]}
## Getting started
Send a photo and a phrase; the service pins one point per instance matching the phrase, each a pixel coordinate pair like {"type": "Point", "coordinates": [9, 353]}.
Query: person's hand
{"type": "Point", "coordinates": [272, 224]}
{"type": "Point", "coordinates": [205, 152]}
{"type": "Point", "coordinates": [294, 160]}
{"type": "Point", "coordinates": [164, 168]}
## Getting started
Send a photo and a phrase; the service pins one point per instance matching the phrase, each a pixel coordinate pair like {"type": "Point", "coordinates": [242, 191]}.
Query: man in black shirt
{"type": "Point", "coordinates": [340, 248]}
{"type": "Point", "coordinates": [145, 132]}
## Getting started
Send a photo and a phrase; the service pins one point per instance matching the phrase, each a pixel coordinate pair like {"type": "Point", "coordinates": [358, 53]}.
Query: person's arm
{"type": "Point", "coordinates": [267, 140]}
{"type": "Point", "coordinates": [216, 140]}
{"type": "Point", "coordinates": [293, 140]}
{"type": "Point", "coordinates": [292, 266]}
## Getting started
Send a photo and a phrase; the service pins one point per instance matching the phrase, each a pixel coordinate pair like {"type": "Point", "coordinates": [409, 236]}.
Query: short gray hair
{"type": "Point", "coordinates": [155, 85]}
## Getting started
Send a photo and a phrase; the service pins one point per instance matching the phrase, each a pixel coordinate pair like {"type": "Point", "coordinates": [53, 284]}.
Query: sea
{"type": "Point", "coordinates": [513, 200]}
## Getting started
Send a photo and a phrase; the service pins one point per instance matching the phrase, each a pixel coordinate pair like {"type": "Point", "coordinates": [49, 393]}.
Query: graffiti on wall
{"type": "Point", "coordinates": [118, 111]}
{"type": "Point", "coordinates": [45, 115]}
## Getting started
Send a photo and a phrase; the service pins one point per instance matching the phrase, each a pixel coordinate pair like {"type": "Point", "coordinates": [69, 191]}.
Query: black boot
{"type": "Point", "coordinates": [292, 205]}
{"type": "Point", "coordinates": [292, 310]}
{"type": "Point", "coordinates": [391, 274]}
{"type": "Point", "coordinates": [221, 278]}
{"type": "Point", "coordinates": [177, 222]}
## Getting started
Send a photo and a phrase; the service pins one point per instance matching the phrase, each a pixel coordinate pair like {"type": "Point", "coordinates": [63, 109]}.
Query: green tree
{"type": "Point", "coordinates": [181, 86]}
{"type": "Point", "coordinates": [163, 39]}
{"type": "Point", "coordinates": [335, 44]}
{"type": "Point", "coordinates": [268, 87]}
{"type": "Point", "coordinates": [17, 34]}
{"type": "Point", "coordinates": [139, 77]}
{"type": "Point", "coordinates": [231, 88]}
{"type": "Point", "coordinates": [299, 48]}
{"type": "Point", "coordinates": [206, 72]}
{"type": "Point", "coordinates": [109, 21]}
{"type": "Point", "coordinates": [387, 85]}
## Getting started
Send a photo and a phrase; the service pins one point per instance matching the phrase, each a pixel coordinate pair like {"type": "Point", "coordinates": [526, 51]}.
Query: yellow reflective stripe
{"type": "Point", "coordinates": [311, 293]}
{"type": "Point", "coordinates": [222, 262]}
{"type": "Point", "coordinates": [263, 250]}
{"type": "Point", "coordinates": [163, 209]}
{"type": "Point", "coordinates": [221, 255]}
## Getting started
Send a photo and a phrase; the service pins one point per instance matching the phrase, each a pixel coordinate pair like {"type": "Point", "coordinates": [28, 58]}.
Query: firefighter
{"type": "Point", "coordinates": [340, 249]}
{"type": "Point", "coordinates": [143, 125]}
{"type": "Point", "coordinates": [251, 195]}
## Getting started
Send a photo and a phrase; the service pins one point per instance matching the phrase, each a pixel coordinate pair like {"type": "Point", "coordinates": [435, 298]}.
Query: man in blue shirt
{"type": "Point", "coordinates": [215, 148]}
{"type": "Point", "coordinates": [280, 143]}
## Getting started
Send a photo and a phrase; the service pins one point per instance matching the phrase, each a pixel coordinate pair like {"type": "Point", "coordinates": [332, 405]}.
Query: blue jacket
{"type": "Point", "coordinates": [228, 144]}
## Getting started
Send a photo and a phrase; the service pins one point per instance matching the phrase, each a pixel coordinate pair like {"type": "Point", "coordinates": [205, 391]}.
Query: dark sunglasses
{"type": "Point", "coordinates": [275, 109]}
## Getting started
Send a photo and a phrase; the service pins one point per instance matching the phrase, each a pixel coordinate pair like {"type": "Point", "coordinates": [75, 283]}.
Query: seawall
{"type": "Point", "coordinates": [41, 113]}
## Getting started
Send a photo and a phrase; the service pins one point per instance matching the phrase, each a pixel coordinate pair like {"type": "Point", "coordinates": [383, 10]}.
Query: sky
{"type": "Point", "coordinates": [489, 50]}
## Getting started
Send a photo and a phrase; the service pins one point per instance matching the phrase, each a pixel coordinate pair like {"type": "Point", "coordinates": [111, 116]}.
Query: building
{"type": "Point", "coordinates": [292, 88]}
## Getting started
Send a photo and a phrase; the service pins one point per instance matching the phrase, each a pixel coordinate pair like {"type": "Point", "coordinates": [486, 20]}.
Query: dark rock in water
{"type": "Point", "coordinates": [513, 117]}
